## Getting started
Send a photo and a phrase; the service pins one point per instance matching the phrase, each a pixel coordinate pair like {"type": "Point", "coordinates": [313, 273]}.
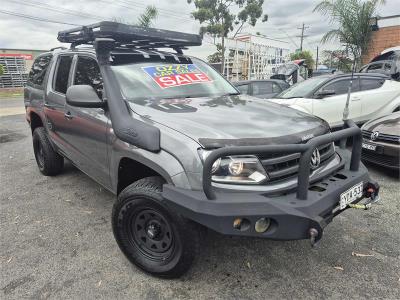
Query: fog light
{"type": "Point", "coordinates": [262, 225]}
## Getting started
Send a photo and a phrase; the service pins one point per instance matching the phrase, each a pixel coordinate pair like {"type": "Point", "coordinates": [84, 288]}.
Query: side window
{"type": "Point", "coordinates": [342, 86]}
{"type": "Point", "coordinates": [276, 88]}
{"type": "Point", "coordinates": [244, 88]}
{"type": "Point", "coordinates": [39, 68]}
{"type": "Point", "coordinates": [88, 73]}
{"type": "Point", "coordinates": [61, 80]}
{"type": "Point", "coordinates": [370, 83]}
{"type": "Point", "coordinates": [261, 88]}
{"type": "Point", "coordinates": [374, 68]}
{"type": "Point", "coordinates": [387, 67]}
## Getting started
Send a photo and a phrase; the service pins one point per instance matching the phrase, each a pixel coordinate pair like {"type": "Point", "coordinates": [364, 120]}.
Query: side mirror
{"type": "Point", "coordinates": [324, 93]}
{"type": "Point", "coordinates": [83, 96]}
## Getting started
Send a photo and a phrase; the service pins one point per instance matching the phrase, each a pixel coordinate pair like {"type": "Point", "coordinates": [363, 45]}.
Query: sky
{"type": "Point", "coordinates": [285, 17]}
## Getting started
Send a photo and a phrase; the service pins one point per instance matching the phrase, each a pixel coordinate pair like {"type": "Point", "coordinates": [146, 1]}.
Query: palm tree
{"type": "Point", "coordinates": [353, 18]}
{"type": "Point", "coordinates": [144, 20]}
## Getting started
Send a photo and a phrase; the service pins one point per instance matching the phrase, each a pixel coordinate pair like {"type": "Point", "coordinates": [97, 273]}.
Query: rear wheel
{"type": "Point", "coordinates": [50, 163]}
{"type": "Point", "coordinates": [150, 234]}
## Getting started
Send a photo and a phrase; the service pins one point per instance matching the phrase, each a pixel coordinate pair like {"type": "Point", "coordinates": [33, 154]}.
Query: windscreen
{"type": "Point", "coordinates": [162, 80]}
{"type": "Point", "coordinates": [301, 89]}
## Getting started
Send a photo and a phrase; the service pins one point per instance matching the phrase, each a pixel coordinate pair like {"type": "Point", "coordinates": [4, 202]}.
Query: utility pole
{"type": "Point", "coordinates": [302, 36]}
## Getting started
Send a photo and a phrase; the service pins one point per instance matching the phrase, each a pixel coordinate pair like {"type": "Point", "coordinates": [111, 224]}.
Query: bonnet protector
{"type": "Point", "coordinates": [125, 127]}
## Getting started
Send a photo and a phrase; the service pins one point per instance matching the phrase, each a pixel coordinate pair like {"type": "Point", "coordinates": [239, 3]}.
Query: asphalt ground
{"type": "Point", "coordinates": [56, 243]}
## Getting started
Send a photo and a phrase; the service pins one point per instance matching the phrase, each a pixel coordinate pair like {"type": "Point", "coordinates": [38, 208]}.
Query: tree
{"type": "Point", "coordinates": [145, 20]}
{"type": "Point", "coordinates": [353, 18]}
{"type": "Point", "coordinates": [217, 19]}
{"type": "Point", "coordinates": [337, 59]}
{"type": "Point", "coordinates": [304, 55]}
{"type": "Point", "coordinates": [1, 70]}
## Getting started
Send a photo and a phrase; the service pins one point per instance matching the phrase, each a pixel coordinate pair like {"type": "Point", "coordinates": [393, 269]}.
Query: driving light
{"type": "Point", "coordinates": [262, 225]}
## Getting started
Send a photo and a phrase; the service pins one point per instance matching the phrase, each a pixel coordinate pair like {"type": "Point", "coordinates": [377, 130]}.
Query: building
{"type": "Point", "coordinates": [250, 57]}
{"type": "Point", "coordinates": [386, 34]}
{"type": "Point", "coordinates": [17, 63]}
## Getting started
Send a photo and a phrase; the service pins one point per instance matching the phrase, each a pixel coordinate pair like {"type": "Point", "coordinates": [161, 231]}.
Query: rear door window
{"type": "Point", "coordinates": [88, 73]}
{"type": "Point", "coordinates": [276, 88]}
{"type": "Point", "coordinates": [374, 68]}
{"type": "Point", "coordinates": [262, 88]}
{"type": "Point", "coordinates": [62, 74]}
{"type": "Point", "coordinates": [341, 86]}
{"type": "Point", "coordinates": [39, 69]}
{"type": "Point", "coordinates": [371, 83]}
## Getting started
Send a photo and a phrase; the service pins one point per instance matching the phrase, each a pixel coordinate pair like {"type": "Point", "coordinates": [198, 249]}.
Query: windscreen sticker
{"type": "Point", "coordinates": [176, 75]}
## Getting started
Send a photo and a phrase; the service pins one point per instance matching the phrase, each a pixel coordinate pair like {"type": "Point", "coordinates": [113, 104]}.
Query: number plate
{"type": "Point", "coordinates": [369, 146]}
{"type": "Point", "coordinates": [351, 195]}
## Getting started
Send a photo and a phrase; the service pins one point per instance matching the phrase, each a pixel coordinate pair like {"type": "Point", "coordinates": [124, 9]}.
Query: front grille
{"type": "Point", "coordinates": [381, 159]}
{"type": "Point", "coordinates": [281, 166]}
{"type": "Point", "coordinates": [388, 138]}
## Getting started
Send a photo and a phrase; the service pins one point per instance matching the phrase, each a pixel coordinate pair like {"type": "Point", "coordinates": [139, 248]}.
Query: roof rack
{"type": "Point", "coordinates": [129, 36]}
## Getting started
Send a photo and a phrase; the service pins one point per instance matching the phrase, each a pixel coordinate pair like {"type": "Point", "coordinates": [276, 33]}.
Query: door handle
{"type": "Point", "coordinates": [355, 99]}
{"type": "Point", "coordinates": [68, 115]}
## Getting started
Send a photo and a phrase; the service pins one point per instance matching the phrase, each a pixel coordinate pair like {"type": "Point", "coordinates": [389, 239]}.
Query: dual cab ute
{"type": "Point", "coordinates": [182, 149]}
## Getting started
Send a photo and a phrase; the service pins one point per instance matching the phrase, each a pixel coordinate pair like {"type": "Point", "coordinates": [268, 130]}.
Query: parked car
{"type": "Point", "coordinates": [182, 149]}
{"type": "Point", "coordinates": [388, 63]}
{"type": "Point", "coordinates": [323, 70]}
{"type": "Point", "coordinates": [292, 72]}
{"type": "Point", "coordinates": [372, 96]}
{"type": "Point", "coordinates": [266, 88]}
{"type": "Point", "coordinates": [381, 141]}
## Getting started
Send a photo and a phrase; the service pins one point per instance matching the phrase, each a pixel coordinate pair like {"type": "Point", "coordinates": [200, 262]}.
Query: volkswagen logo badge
{"type": "Point", "coordinates": [374, 135]}
{"type": "Point", "coordinates": [315, 159]}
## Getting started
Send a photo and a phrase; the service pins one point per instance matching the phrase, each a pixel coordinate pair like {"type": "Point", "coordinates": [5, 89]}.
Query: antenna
{"type": "Point", "coordinates": [346, 107]}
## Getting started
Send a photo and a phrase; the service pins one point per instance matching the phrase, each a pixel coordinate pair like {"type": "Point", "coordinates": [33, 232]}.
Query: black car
{"type": "Point", "coordinates": [267, 88]}
{"type": "Point", "coordinates": [381, 141]}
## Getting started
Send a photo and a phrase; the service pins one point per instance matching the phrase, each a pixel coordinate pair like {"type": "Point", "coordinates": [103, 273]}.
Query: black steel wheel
{"type": "Point", "coordinates": [48, 160]}
{"type": "Point", "coordinates": [150, 234]}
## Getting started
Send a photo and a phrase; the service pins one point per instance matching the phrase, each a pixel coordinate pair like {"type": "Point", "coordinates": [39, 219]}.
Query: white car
{"type": "Point", "coordinates": [373, 95]}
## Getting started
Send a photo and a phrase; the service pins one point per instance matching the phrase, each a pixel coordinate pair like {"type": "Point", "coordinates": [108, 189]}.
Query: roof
{"type": "Point", "coordinates": [257, 80]}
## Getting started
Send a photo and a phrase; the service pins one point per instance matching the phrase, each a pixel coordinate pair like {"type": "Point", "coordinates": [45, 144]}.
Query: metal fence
{"type": "Point", "coordinates": [15, 74]}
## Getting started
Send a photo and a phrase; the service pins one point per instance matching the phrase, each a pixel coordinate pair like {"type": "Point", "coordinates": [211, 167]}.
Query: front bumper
{"type": "Point", "coordinates": [385, 154]}
{"type": "Point", "coordinates": [292, 215]}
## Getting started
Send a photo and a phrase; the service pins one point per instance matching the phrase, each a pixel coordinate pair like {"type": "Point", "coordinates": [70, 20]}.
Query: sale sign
{"type": "Point", "coordinates": [167, 76]}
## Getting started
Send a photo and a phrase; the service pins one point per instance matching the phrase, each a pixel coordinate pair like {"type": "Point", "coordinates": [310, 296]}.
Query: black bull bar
{"type": "Point", "coordinates": [305, 150]}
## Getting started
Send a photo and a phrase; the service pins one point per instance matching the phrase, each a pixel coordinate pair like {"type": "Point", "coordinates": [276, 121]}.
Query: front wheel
{"type": "Point", "coordinates": [150, 234]}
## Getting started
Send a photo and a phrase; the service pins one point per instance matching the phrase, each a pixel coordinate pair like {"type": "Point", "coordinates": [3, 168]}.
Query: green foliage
{"type": "Point", "coordinates": [353, 18]}
{"type": "Point", "coordinates": [217, 19]}
{"type": "Point", "coordinates": [1, 70]}
{"type": "Point", "coordinates": [337, 59]}
{"type": "Point", "coordinates": [304, 55]}
{"type": "Point", "coordinates": [216, 56]}
{"type": "Point", "coordinates": [145, 20]}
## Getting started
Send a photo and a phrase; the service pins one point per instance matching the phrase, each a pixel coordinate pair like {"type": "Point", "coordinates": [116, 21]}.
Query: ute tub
{"type": "Point", "coordinates": [291, 215]}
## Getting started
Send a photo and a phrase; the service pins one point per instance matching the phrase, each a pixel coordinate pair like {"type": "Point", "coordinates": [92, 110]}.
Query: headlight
{"type": "Point", "coordinates": [240, 169]}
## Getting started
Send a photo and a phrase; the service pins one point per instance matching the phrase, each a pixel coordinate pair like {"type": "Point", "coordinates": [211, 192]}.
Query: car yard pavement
{"type": "Point", "coordinates": [56, 242]}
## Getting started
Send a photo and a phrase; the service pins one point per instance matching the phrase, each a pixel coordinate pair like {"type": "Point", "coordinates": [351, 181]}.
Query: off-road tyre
{"type": "Point", "coordinates": [50, 163]}
{"type": "Point", "coordinates": [142, 220]}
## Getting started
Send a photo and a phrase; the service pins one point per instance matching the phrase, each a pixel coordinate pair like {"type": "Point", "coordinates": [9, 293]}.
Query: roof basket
{"type": "Point", "coordinates": [129, 36]}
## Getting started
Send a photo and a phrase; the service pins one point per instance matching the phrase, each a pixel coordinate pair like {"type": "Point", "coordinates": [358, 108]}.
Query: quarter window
{"type": "Point", "coordinates": [63, 67]}
{"type": "Point", "coordinates": [243, 88]}
{"type": "Point", "coordinates": [39, 68]}
{"type": "Point", "coordinates": [88, 73]}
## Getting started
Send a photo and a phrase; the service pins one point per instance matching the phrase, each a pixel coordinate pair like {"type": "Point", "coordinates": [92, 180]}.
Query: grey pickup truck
{"type": "Point", "coordinates": [182, 149]}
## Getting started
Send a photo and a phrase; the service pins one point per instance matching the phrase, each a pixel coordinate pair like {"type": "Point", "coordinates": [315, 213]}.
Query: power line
{"type": "Point", "coordinates": [11, 13]}
{"type": "Point", "coordinates": [58, 9]}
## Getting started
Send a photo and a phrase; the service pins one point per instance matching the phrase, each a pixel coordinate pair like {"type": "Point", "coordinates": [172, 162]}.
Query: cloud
{"type": "Point", "coordinates": [284, 19]}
